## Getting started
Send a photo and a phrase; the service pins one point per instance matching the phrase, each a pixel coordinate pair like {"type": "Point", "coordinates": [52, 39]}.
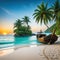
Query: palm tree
{"type": "Point", "coordinates": [21, 30]}
{"type": "Point", "coordinates": [43, 14]}
{"type": "Point", "coordinates": [56, 13]}
{"type": "Point", "coordinates": [26, 20]}
{"type": "Point", "coordinates": [17, 26]}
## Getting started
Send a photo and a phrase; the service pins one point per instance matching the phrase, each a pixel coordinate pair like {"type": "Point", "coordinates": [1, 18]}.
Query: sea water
{"type": "Point", "coordinates": [10, 40]}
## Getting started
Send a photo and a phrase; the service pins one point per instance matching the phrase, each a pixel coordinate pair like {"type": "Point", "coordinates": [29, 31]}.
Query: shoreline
{"type": "Point", "coordinates": [41, 52]}
{"type": "Point", "coordinates": [38, 44]}
{"type": "Point", "coordinates": [32, 52]}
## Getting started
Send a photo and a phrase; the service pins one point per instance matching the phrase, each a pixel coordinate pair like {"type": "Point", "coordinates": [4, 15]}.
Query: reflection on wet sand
{"type": "Point", "coordinates": [6, 51]}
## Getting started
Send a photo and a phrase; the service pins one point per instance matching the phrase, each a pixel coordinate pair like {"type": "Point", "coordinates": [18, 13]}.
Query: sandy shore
{"type": "Point", "coordinates": [33, 52]}
{"type": "Point", "coordinates": [43, 52]}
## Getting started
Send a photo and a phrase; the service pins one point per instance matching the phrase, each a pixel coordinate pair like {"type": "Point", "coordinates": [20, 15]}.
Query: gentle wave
{"type": "Point", "coordinates": [6, 38]}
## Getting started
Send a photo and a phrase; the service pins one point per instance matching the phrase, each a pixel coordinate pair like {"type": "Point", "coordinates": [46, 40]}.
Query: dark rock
{"type": "Point", "coordinates": [50, 39]}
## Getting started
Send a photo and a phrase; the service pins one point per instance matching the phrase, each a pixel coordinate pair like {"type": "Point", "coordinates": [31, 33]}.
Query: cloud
{"type": "Point", "coordinates": [8, 12]}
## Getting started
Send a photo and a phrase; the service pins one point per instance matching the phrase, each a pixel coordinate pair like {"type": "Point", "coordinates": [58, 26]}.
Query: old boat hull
{"type": "Point", "coordinates": [51, 39]}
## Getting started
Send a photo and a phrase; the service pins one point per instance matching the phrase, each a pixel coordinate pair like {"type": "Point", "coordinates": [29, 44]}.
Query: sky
{"type": "Point", "coordinates": [11, 10]}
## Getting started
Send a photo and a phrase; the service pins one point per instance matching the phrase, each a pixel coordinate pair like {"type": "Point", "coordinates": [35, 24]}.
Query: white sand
{"type": "Point", "coordinates": [43, 52]}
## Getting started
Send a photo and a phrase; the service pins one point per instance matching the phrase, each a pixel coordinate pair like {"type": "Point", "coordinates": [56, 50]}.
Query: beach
{"type": "Point", "coordinates": [29, 30]}
{"type": "Point", "coordinates": [35, 52]}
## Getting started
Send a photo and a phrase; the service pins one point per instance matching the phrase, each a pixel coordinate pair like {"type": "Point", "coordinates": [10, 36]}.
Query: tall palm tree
{"type": "Point", "coordinates": [26, 20]}
{"type": "Point", "coordinates": [43, 14]}
{"type": "Point", "coordinates": [56, 13]}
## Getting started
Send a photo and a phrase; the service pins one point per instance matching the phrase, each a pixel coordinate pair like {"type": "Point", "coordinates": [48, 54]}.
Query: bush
{"type": "Point", "coordinates": [23, 31]}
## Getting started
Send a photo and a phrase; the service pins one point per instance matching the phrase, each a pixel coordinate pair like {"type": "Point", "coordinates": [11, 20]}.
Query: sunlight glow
{"type": "Point", "coordinates": [4, 33]}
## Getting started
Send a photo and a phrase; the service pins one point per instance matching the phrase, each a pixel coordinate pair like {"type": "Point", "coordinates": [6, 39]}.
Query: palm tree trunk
{"type": "Point", "coordinates": [54, 31]}
{"type": "Point", "coordinates": [47, 26]}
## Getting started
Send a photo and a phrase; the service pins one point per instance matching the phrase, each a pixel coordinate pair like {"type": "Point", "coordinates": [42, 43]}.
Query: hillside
{"type": "Point", "coordinates": [51, 28]}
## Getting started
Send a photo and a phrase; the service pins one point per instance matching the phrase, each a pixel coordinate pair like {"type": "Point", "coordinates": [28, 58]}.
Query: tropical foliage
{"type": "Point", "coordinates": [52, 28]}
{"type": "Point", "coordinates": [26, 20]}
{"type": "Point", "coordinates": [56, 14]}
{"type": "Point", "coordinates": [20, 29]}
{"type": "Point", "coordinates": [43, 14]}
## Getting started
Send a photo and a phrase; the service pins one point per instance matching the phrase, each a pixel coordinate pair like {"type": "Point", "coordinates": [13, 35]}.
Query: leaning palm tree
{"type": "Point", "coordinates": [43, 14]}
{"type": "Point", "coordinates": [26, 20]}
{"type": "Point", "coordinates": [56, 13]}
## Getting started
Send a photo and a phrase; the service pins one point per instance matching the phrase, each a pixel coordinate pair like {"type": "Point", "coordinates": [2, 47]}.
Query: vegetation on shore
{"type": "Point", "coordinates": [45, 14]}
{"type": "Point", "coordinates": [56, 17]}
{"type": "Point", "coordinates": [51, 28]}
{"type": "Point", "coordinates": [22, 28]}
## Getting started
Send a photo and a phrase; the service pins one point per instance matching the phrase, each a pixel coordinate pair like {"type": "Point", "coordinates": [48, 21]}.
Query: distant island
{"type": "Point", "coordinates": [22, 28]}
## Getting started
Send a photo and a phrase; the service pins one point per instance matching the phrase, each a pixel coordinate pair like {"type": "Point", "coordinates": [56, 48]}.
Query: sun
{"type": "Point", "coordinates": [4, 33]}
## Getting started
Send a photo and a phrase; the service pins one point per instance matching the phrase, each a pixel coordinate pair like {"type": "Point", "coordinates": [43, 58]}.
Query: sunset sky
{"type": "Point", "coordinates": [11, 10]}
